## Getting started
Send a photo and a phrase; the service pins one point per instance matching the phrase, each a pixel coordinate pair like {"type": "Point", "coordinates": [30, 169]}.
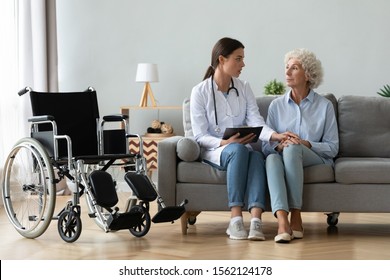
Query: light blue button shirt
{"type": "Point", "coordinates": [313, 120]}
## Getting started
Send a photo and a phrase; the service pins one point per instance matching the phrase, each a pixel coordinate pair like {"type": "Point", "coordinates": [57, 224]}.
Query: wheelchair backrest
{"type": "Point", "coordinates": [76, 115]}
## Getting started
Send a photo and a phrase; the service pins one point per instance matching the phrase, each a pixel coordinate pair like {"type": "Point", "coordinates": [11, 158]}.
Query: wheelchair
{"type": "Point", "coordinates": [68, 141]}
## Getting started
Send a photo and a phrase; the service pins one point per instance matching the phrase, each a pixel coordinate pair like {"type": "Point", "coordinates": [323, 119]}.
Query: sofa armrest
{"type": "Point", "coordinates": [166, 169]}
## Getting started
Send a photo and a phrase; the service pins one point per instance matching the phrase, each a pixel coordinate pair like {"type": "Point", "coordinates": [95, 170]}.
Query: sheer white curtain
{"type": "Point", "coordinates": [37, 45]}
{"type": "Point", "coordinates": [28, 58]}
{"type": "Point", "coordinates": [9, 109]}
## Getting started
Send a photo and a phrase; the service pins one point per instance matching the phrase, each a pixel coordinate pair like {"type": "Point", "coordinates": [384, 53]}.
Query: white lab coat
{"type": "Point", "coordinates": [203, 121]}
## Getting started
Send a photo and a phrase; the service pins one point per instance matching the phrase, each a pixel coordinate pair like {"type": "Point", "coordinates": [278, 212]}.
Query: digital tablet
{"type": "Point", "coordinates": [245, 130]}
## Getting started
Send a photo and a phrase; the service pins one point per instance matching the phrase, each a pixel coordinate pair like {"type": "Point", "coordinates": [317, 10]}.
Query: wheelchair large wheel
{"type": "Point", "coordinates": [28, 188]}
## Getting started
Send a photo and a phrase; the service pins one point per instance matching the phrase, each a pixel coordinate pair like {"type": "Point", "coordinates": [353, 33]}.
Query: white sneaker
{"type": "Point", "coordinates": [256, 231]}
{"type": "Point", "coordinates": [237, 231]}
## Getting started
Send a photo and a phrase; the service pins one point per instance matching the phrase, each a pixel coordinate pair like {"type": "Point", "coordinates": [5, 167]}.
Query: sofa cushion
{"type": "Point", "coordinates": [322, 173]}
{"type": "Point", "coordinates": [263, 104]}
{"type": "Point", "coordinates": [364, 126]}
{"type": "Point", "coordinates": [199, 172]}
{"type": "Point", "coordinates": [362, 170]}
{"type": "Point", "coordinates": [188, 149]}
{"type": "Point", "coordinates": [189, 172]}
{"type": "Point", "coordinates": [333, 99]}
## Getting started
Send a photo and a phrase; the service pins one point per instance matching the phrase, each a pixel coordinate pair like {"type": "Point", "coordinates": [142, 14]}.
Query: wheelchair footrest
{"type": "Point", "coordinates": [103, 188]}
{"type": "Point", "coordinates": [168, 214]}
{"type": "Point", "coordinates": [126, 220]}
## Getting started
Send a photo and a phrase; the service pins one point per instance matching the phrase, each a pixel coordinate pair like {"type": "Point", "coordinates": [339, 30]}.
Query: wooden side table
{"type": "Point", "coordinates": [149, 143]}
{"type": "Point", "coordinates": [150, 150]}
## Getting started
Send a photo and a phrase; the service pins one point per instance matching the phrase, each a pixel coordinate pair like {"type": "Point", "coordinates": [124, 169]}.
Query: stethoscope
{"type": "Point", "coordinates": [217, 128]}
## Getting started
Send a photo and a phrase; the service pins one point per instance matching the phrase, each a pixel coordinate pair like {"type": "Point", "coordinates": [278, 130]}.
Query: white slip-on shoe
{"type": "Point", "coordinates": [298, 234]}
{"type": "Point", "coordinates": [283, 237]}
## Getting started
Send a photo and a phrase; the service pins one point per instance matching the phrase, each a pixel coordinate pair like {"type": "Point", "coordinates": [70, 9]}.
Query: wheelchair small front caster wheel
{"type": "Point", "coordinates": [69, 226]}
{"type": "Point", "coordinates": [142, 228]}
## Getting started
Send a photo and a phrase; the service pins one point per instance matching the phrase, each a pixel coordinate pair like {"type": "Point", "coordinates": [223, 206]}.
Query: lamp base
{"type": "Point", "coordinates": [147, 92]}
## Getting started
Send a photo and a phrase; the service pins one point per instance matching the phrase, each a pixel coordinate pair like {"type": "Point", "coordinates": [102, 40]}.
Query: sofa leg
{"type": "Point", "coordinates": [183, 221]}
{"type": "Point", "coordinates": [185, 218]}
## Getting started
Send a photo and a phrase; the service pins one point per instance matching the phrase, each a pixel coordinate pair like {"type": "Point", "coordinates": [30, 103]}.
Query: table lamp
{"type": "Point", "coordinates": [147, 73]}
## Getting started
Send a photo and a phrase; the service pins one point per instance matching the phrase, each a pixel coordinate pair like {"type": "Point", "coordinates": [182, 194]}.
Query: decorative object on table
{"type": "Point", "coordinates": [274, 87]}
{"type": "Point", "coordinates": [156, 125]}
{"type": "Point", "coordinates": [385, 91]}
{"type": "Point", "coordinates": [147, 73]}
{"type": "Point", "coordinates": [159, 129]}
{"type": "Point", "coordinates": [166, 128]}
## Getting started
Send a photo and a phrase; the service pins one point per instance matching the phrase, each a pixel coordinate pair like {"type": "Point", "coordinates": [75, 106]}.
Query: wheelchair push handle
{"type": "Point", "coordinates": [184, 202]}
{"type": "Point", "coordinates": [90, 89]}
{"type": "Point", "coordinates": [24, 91]}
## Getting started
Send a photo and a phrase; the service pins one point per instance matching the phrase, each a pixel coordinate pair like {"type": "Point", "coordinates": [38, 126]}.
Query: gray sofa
{"type": "Point", "coordinates": [359, 182]}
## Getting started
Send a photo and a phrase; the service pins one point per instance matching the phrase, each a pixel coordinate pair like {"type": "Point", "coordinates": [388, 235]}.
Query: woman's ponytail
{"type": "Point", "coordinates": [210, 72]}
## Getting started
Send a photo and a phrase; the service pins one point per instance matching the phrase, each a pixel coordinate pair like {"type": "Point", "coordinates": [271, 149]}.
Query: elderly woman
{"type": "Point", "coordinates": [311, 118]}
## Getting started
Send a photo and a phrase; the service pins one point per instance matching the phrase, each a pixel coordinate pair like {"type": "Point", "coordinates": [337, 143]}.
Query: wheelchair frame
{"type": "Point", "coordinates": [30, 202]}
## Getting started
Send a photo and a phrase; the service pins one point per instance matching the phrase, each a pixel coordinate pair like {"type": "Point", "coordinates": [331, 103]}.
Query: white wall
{"type": "Point", "coordinates": [101, 42]}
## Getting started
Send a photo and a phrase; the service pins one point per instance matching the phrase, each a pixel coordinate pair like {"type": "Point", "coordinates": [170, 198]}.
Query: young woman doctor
{"type": "Point", "coordinates": [221, 101]}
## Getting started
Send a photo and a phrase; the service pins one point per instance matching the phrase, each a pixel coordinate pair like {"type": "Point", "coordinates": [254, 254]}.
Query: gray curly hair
{"type": "Point", "coordinates": [310, 64]}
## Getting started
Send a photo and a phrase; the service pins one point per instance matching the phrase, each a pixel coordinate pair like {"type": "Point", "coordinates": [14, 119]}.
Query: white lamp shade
{"type": "Point", "coordinates": [147, 72]}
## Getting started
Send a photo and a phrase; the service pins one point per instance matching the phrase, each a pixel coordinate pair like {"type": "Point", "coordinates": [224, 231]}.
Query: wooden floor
{"type": "Point", "coordinates": [356, 237]}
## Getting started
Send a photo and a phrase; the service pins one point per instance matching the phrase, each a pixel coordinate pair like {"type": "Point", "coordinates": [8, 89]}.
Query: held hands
{"type": "Point", "coordinates": [284, 139]}
{"type": "Point", "coordinates": [237, 139]}
{"type": "Point", "coordinates": [288, 138]}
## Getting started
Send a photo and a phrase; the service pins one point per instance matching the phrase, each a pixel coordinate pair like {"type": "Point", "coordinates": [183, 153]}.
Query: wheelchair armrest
{"type": "Point", "coordinates": [50, 138]}
{"type": "Point", "coordinates": [115, 118]}
{"type": "Point", "coordinates": [111, 133]}
{"type": "Point", "coordinates": [133, 136]}
{"type": "Point", "coordinates": [141, 145]}
{"type": "Point", "coordinates": [43, 118]}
